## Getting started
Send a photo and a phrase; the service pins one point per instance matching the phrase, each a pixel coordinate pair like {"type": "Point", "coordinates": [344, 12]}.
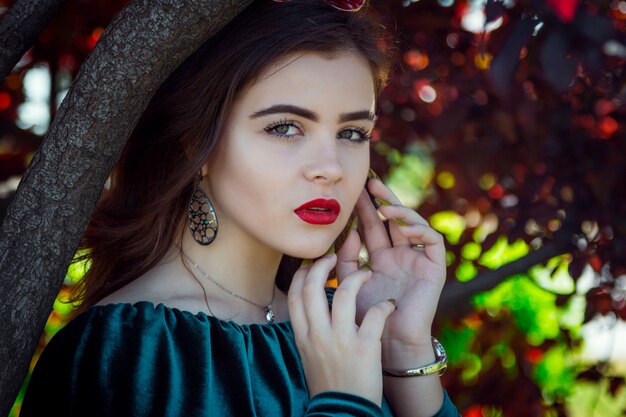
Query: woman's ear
{"type": "Point", "coordinates": [205, 169]}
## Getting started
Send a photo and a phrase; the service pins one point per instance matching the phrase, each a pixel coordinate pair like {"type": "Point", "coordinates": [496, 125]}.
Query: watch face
{"type": "Point", "coordinates": [440, 352]}
{"type": "Point", "coordinates": [440, 357]}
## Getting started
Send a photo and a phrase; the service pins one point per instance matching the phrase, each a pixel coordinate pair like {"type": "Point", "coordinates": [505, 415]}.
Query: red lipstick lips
{"type": "Point", "coordinates": [319, 211]}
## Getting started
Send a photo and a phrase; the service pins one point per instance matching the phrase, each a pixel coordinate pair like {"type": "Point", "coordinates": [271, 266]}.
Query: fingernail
{"type": "Point", "coordinates": [393, 301]}
{"type": "Point", "coordinates": [382, 202]}
{"type": "Point", "coordinates": [372, 174]}
{"type": "Point", "coordinates": [399, 222]}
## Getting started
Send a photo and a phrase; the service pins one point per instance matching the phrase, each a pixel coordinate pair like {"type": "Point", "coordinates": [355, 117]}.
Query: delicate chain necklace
{"type": "Point", "coordinates": [267, 309]}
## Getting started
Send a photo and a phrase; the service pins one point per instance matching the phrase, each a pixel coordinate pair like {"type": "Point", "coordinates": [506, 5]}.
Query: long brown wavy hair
{"type": "Point", "coordinates": [141, 212]}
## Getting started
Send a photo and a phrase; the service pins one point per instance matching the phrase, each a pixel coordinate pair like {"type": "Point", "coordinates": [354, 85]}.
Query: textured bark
{"type": "Point", "coordinates": [19, 28]}
{"type": "Point", "coordinates": [54, 201]}
{"type": "Point", "coordinates": [455, 298]}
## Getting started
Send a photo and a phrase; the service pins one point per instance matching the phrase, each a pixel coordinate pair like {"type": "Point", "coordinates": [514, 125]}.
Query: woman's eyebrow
{"type": "Point", "coordinates": [308, 114]}
{"type": "Point", "coordinates": [357, 115]}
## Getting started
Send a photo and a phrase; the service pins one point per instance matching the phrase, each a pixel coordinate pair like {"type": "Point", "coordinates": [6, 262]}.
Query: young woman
{"type": "Point", "coordinates": [251, 158]}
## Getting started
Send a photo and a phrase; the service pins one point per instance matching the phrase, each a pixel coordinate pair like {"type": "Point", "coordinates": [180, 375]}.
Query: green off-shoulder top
{"type": "Point", "coordinates": [140, 360]}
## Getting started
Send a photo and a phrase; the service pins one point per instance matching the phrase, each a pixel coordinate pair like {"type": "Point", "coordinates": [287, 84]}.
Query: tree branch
{"type": "Point", "coordinates": [54, 201]}
{"type": "Point", "coordinates": [19, 28]}
{"type": "Point", "coordinates": [455, 298]}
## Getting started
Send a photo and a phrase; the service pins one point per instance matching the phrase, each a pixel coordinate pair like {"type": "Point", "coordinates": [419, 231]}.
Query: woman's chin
{"type": "Point", "coordinates": [310, 252]}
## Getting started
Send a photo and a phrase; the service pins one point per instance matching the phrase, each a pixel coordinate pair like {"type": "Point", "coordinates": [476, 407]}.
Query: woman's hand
{"type": "Point", "coordinates": [408, 265]}
{"type": "Point", "coordinates": [337, 355]}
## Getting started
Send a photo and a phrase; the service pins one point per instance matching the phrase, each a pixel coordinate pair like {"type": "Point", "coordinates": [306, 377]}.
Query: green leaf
{"type": "Point", "coordinates": [533, 308]}
{"type": "Point", "coordinates": [556, 373]}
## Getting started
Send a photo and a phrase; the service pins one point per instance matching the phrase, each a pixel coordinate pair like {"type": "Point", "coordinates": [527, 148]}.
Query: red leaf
{"type": "Point", "coordinates": [564, 9]}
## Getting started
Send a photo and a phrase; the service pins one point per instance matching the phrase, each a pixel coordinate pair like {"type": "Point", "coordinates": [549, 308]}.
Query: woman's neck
{"type": "Point", "coordinates": [241, 265]}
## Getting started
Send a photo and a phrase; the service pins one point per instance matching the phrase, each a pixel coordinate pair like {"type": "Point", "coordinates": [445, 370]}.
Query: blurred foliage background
{"type": "Point", "coordinates": [504, 126]}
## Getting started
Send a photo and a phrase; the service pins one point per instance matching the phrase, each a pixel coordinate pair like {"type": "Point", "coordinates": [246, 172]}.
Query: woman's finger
{"type": "Point", "coordinates": [380, 190]}
{"type": "Point", "coordinates": [428, 239]}
{"type": "Point", "coordinates": [295, 302]}
{"type": "Point", "coordinates": [344, 302]}
{"type": "Point", "coordinates": [374, 232]}
{"type": "Point", "coordinates": [313, 295]}
{"type": "Point", "coordinates": [402, 213]}
{"type": "Point", "coordinates": [391, 208]}
{"type": "Point", "coordinates": [348, 256]}
{"type": "Point", "coordinates": [373, 323]}
{"type": "Point", "coordinates": [400, 216]}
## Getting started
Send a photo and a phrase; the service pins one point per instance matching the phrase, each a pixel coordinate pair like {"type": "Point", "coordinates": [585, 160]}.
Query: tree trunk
{"type": "Point", "coordinates": [19, 28]}
{"type": "Point", "coordinates": [53, 203]}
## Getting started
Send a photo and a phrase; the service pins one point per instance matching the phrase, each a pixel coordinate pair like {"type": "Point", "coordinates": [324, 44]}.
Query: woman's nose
{"type": "Point", "coordinates": [324, 164]}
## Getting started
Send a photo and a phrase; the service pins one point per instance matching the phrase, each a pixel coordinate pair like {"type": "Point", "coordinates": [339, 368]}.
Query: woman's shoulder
{"type": "Point", "coordinates": [124, 323]}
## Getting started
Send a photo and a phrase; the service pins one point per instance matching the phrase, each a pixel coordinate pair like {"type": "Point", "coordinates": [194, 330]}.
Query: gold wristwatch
{"type": "Point", "coordinates": [439, 366]}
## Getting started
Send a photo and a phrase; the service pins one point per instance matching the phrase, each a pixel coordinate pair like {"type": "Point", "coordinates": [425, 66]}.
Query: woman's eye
{"type": "Point", "coordinates": [355, 135]}
{"type": "Point", "coordinates": [283, 129]}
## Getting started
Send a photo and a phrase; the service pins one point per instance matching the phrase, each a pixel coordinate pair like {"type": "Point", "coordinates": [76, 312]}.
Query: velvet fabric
{"type": "Point", "coordinates": [145, 360]}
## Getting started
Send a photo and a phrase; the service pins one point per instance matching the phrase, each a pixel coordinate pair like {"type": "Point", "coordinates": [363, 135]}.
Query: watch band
{"type": "Point", "coordinates": [438, 367]}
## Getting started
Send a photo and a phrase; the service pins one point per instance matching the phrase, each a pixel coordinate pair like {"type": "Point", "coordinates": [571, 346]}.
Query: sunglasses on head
{"type": "Point", "coordinates": [343, 5]}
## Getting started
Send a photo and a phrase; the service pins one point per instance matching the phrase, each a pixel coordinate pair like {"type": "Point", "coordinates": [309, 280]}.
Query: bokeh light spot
{"type": "Point", "coordinates": [474, 18]}
{"type": "Point", "coordinates": [482, 61]}
{"type": "Point", "coordinates": [416, 59]}
{"type": "Point", "coordinates": [5, 100]}
{"type": "Point", "coordinates": [567, 194]}
{"type": "Point", "coordinates": [94, 37]}
{"type": "Point", "coordinates": [487, 181]}
{"type": "Point", "coordinates": [450, 223]}
{"type": "Point", "coordinates": [488, 226]}
{"type": "Point", "coordinates": [466, 271]}
{"type": "Point", "coordinates": [471, 251]}
{"type": "Point", "coordinates": [452, 40]}
{"type": "Point", "coordinates": [472, 217]}
{"type": "Point", "coordinates": [554, 225]}
{"type": "Point", "coordinates": [34, 112]}
{"type": "Point", "coordinates": [446, 180]}
{"type": "Point", "coordinates": [427, 94]}
{"type": "Point", "coordinates": [607, 126]}
{"type": "Point", "coordinates": [474, 411]}
{"type": "Point", "coordinates": [496, 192]}
{"type": "Point", "coordinates": [509, 201]}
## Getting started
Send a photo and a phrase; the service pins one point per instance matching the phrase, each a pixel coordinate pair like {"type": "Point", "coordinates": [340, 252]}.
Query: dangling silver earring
{"type": "Point", "coordinates": [202, 217]}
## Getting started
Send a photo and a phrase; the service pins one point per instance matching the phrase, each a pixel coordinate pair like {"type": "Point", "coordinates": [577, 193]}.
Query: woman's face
{"type": "Point", "coordinates": [299, 134]}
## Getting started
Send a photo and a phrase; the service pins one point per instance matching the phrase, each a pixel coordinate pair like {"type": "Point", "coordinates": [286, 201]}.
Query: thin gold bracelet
{"type": "Point", "coordinates": [439, 366]}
